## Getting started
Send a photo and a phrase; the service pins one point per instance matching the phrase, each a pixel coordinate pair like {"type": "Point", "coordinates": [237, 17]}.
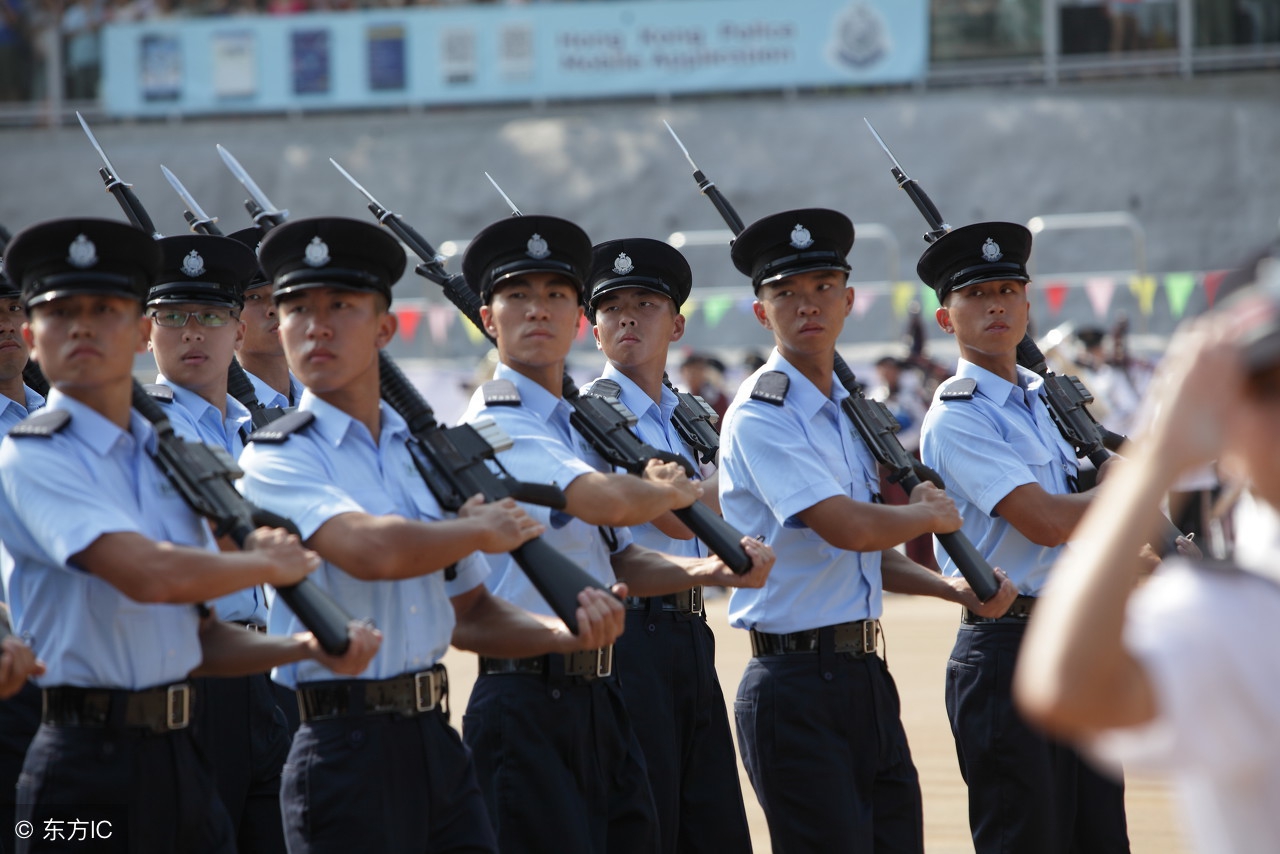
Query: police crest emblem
{"type": "Point", "coordinates": [623, 264]}
{"type": "Point", "coordinates": [317, 253]}
{"type": "Point", "coordinates": [800, 237]}
{"type": "Point", "coordinates": [193, 264]}
{"type": "Point", "coordinates": [537, 248]}
{"type": "Point", "coordinates": [991, 251]}
{"type": "Point", "coordinates": [82, 254]}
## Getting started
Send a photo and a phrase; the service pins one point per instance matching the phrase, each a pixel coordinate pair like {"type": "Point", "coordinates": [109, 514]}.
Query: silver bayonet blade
{"type": "Point", "coordinates": [681, 144]}
{"type": "Point", "coordinates": [355, 183]}
{"type": "Point", "coordinates": [896, 164]}
{"type": "Point", "coordinates": [94, 141]}
{"type": "Point", "coordinates": [187, 199]}
{"type": "Point", "coordinates": [247, 182]}
{"type": "Point", "coordinates": [514, 210]}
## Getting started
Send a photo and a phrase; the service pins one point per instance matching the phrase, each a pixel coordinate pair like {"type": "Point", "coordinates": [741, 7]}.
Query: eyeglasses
{"type": "Point", "coordinates": [177, 319]}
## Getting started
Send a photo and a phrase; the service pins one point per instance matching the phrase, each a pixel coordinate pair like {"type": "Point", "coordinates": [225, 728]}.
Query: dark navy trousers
{"type": "Point", "coordinates": [560, 766]}
{"type": "Point", "coordinates": [19, 720]}
{"type": "Point", "coordinates": [667, 673]}
{"type": "Point", "coordinates": [823, 744]}
{"type": "Point", "coordinates": [1027, 794]}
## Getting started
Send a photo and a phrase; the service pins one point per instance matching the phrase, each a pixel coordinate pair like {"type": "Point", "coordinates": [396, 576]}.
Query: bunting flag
{"type": "Point", "coordinates": [690, 308]}
{"type": "Point", "coordinates": [863, 300]}
{"type": "Point", "coordinates": [409, 318]}
{"type": "Point", "coordinates": [439, 319]}
{"type": "Point", "coordinates": [929, 299]}
{"type": "Point", "coordinates": [903, 294]}
{"type": "Point", "coordinates": [715, 307]}
{"type": "Point", "coordinates": [474, 335]}
{"type": "Point", "coordinates": [1056, 294]}
{"type": "Point", "coordinates": [1144, 290]}
{"type": "Point", "coordinates": [1213, 281]}
{"type": "Point", "coordinates": [1177, 289]}
{"type": "Point", "coordinates": [1100, 290]}
{"type": "Point", "coordinates": [583, 326]}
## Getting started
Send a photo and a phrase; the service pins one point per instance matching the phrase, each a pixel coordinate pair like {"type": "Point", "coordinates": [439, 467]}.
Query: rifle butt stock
{"type": "Point", "coordinates": [542, 494]}
{"type": "Point", "coordinates": [556, 578]}
{"type": "Point", "coordinates": [719, 536]}
{"type": "Point", "coordinates": [972, 565]}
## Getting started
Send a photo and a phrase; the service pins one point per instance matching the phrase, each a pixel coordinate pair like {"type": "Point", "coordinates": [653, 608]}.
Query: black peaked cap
{"type": "Point", "coordinates": [791, 242]}
{"type": "Point", "coordinates": [331, 252]}
{"type": "Point", "coordinates": [252, 237]}
{"type": "Point", "coordinates": [526, 244]}
{"type": "Point", "coordinates": [203, 268]}
{"type": "Point", "coordinates": [69, 257]}
{"type": "Point", "coordinates": [982, 252]}
{"type": "Point", "coordinates": [638, 262]}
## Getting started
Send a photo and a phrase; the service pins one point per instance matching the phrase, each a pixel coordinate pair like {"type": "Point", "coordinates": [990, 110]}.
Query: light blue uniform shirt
{"type": "Point", "coordinates": [985, 448]}
{"type": "Point", "coordinates": [11, 412]}
{"type": "Point", "coordinates": [543, 452]}
{"type": "Point", "coordinates": [269, 397]}
{"type": "Point", "coordinates": [654, 427]}
{"type": "Point", "coordinates": [776, 461]}
{"type": "Point", "coordinates": [197, 420]}
{"type": "Point", "coordinates": [60, 494]}
{"type": "Point", "coordinates": [333, 467]}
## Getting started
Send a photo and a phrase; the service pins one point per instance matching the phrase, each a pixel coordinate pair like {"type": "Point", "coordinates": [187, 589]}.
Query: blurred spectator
{"type": "Point", "coordinates": [81, 23]}
{"type": "Point", "coordinates": [15, 51]}
{"type": "Point", "coordinates": [703, 375]}
{"type": "Point", "coordinates": [900, 389]}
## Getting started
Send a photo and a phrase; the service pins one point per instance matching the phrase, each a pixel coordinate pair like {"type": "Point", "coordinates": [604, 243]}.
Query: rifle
{"type": "Point", "coordinates": [1066, 397]}
{"type": "Point", "coordinates": [695, 421]}
{"type": "Point", "coordinates": [200, 222]}
{"type": "Point", "coordinates": [453, 461]}
{"type": "Point", "coordinates": [123, 192]}
{"type": "Point", "coordinates": [604, 422]}
{"type": "Point", "coordinates": [265, 215]}
{"type": "Point", "coordinates": [202, 475]}
{"type": "Point", "coordinates": [876, 426]}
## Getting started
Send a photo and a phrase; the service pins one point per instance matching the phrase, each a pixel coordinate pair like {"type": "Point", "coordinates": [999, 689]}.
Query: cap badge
{"type": "Point", "coordinates": [991, 251]}
{"type": "Point", "coordinates": [623, 265]}
{"type": "Point", "coordinates": [800, 237]}
{"type": "Point", "coordinates": [537, 248]}
{"type": "Point", "coordinates": [193, 264]}
{"type": "Point", "coordinates": [82, 253]}
{"type": "Point", "coordinates": [317, 254]}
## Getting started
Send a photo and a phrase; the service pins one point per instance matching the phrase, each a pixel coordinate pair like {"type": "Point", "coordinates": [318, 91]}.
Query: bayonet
{"type": "Point", "coordinates": [937, 226]}
{"type": "Point", "coordinates": [399, 228]}
{"type": "Point", "coordinates": [708, 188]}
{"type": "Point", "coordinates": [515, 211]}
{"type": "Point", "coordinates": [687, 155]}
{"type": "Point", "coordinates": [263, 209]}
{"type": "Point", "coordinates": [122, 191]}
{"type": "Point", "coordinates": [200, 222]}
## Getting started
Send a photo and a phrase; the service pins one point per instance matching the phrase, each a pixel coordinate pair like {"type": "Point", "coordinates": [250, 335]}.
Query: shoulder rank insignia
{"type": "Point", "coordinates": [771, 387]}
{"type": "Point", "coordinates": [500, 393]}
{"type": "Point", "coordinates": [159, 392]}
{"type": "Point", "coordinates": [282, 428]}
{"type": "Point", "coordinates": [961, 389]}
{"type": "Point", "coordinates": [42, 424]}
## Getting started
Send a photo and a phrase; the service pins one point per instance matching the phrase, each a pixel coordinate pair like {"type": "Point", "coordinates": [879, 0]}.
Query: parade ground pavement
{"type": "Point", "coordinates": [919, 633]}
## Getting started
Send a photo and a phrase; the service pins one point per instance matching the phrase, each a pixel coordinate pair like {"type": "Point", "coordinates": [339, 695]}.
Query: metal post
{"type": "Point", "coordinates": [1052, 41]}
{"type": "Point", "coordinates": [1186, 36]}
{"type": "Point", "coordinates": [1100, 219]}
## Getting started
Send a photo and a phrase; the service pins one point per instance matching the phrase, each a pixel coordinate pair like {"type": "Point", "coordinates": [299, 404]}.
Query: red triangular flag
{"type": "Point", "coordinates": [1213, 281]}
{"type": "Point", "coordinates": [409, 318]}
{"type": "Point", "coordinates": [1056, 294]}
{"type": "Point", "coordinates": [583, 326]}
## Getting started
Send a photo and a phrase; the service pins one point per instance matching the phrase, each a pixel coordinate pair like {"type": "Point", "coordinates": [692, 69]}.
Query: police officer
{"type": "Point", "coordinates": [108, 561]}
{"type": "Point", "coordinates": [557, 724]}
{"type": "Point", "coordinates": [1012, 475]}
{"type": "Point", "coordinates": [375, 764]}
{"type": "Point", "coordinates": [259, 350]}
{"type": "Point", "coordinates": [194, 307]}
{"type": "Point", "coordinates": [817, 710]}
{"type": "Point", "coordinates": [667, 654]}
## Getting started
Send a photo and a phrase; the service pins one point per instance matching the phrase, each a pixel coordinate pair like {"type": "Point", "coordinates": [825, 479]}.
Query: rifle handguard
{"type": "Point", "coordinates": [558, 579]}
{"type": "Point", "coordinates": [972, 565]}
{"type": "Point", "coordinates": [542, 494]}
{"type": "Point", "coordinates": [721, 538]}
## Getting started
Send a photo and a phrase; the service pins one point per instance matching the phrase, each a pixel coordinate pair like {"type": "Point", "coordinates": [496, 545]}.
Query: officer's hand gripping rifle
{"type": "Point", "coordinates": [123, 192]}
{"type": "Point", "coordinates": [876, 426]}
{"type": "Point", "coordinates": [604, 423]}
{"type": "Point", "coordinates": [1067, 397]}
{"type": "Point", "coordinates": [202, 475]}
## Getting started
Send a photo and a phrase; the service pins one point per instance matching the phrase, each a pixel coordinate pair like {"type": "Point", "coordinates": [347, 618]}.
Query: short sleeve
{"type": "Point", "coordinates": [974, 459]}
{"type": "Point", "coordinates": [788, 476]}
{"type": "Point", "coordinates": [291, 480]}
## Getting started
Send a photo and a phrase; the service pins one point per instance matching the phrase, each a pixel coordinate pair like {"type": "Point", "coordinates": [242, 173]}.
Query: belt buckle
{"type": "Point", "coordinates": [870, 628]}
{"type": "Point", "coordinates": [604, 661]}
{"type": "Point", "coordinates": [425, 698]}
{"type": "Point", "coordinates": [695, 601]}
{"type": "Point", "coordinates": [178, 706]}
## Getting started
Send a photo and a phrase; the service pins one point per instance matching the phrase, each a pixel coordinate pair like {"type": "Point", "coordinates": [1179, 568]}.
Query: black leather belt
{"type": "Point", "coordinates": [407, 694]}
{"type": "Point", "coordinates": [250, 625]}
{"type": "Point", "coordinates": [1019, 612]}
{"type": "Point", "coordinates": [159, 710]}
{"type": "Point", "coordinates": [859, 638]}
{"type": "Point", "coordinates": [581, 666]}
{"type": "Point", "coordinates": [684, 602]}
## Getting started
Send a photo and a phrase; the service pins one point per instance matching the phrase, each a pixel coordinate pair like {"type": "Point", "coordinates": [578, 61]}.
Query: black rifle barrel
{"type": "Point", "coordinates": [203, 479]}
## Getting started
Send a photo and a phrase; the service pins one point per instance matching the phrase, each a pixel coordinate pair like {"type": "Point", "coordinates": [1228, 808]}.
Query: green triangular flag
{"type": "Point", "coordinates": [1178, 288]}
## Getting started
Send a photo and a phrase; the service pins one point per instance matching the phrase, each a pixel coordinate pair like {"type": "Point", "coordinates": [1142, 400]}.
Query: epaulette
{"type": "Point", "coordinates": [283, 427]}
{"type": "Point", "coordinates": [162, 393]}
{"type": "Point", "coordinates": [43, 424]}
{"type": "Point", "coordinates": [959, 389]}
{"type": "Point", "coordinates": [500, 393]}
{"type": "Point", "coordinates": [771, 387]}
{"type": "Point", "coordinates": [603, 388]}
